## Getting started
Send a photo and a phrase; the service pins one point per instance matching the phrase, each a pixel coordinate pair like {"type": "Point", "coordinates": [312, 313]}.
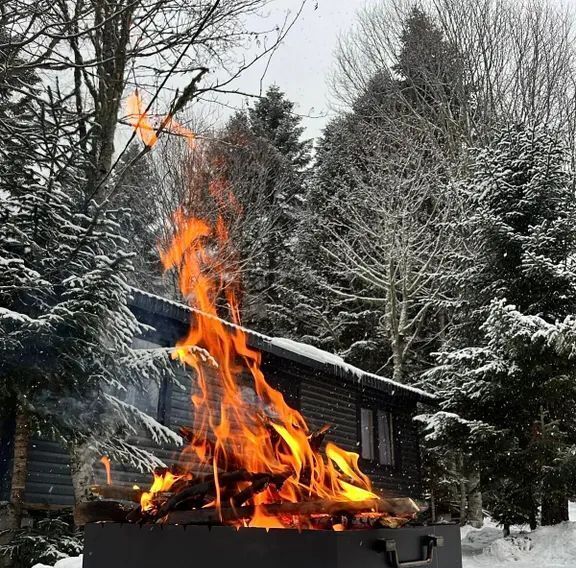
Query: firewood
{"type": "Point", "coordinates": [317, 437]}
{"type": "Point", "coordinates": [97, 511]}
{"type": "Point", "coordinates": [260, 482]}
{"type": "Point", "coordinates": [395, 507]}
{"type": "Point", "coordinates": [198, 491]}
{"type": "Point", "coordinates": [117, 492]}
{"type": "Point", "coordinates": [257, 486]}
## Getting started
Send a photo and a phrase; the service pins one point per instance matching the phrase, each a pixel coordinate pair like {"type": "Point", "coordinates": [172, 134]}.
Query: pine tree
{"type": "Point", "coordinates": [260, 159]}
{"type": "Point", "coordinates": [65, 327]}
{"type": "Point", "coordinates": [510, 391]}
{"type": "Point", "coordinates": [141, 221]}
{"type": "Point", "coordinates": [273, 118]}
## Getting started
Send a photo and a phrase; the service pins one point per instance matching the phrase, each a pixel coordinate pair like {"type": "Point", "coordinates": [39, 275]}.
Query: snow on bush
{"type": "Point", "coordinates": [72, 562]}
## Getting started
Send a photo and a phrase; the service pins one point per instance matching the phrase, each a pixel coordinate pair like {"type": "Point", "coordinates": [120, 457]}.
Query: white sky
{"type": "Point", "coordinates": [302, 65]}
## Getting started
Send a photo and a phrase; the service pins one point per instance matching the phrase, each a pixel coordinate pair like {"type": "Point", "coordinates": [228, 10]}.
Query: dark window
{"type": "Point", "coordinates": [146, 395]}
{"type": "Point", "coordinates": [377, 436]}
{"type": "Point", "coordinates": [367, 433]}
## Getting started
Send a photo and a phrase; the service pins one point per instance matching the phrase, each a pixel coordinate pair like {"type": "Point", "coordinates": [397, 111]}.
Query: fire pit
{"type": "Point", "coordinates": [115, 545]}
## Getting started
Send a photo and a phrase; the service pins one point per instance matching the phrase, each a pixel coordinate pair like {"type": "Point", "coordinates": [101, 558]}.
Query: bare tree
{"type": "Point", "coordinates": [93, 50]}
{"type": "Point", "coordinates": [518, 58]}
{"type": "Point", "coordinates": [392, 239]}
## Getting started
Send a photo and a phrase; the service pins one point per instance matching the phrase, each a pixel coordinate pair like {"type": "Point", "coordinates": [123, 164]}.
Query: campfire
{"type": "Point", "coordinates": [249, 459]}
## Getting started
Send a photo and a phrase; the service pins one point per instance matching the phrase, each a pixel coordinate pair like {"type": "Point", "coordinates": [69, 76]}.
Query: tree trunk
{"type": "Point", "coordinates": [82, 456]}
{"type": "Point", "coordinates": [19, 468]}
{"type": "Point", "coordinates": [463, 507]}
{"type": "Point", "coordinates": [475, 516]}
{"type": "Point", "coordinates": [554, 506]}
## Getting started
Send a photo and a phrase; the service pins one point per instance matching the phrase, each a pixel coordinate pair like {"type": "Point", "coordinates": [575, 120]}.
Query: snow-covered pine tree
{"type": "Point", "coordinates": [137, 194]}
{"type": "Point", "coordinates": [65, 327]}
{"type": "Point", "coordinates": [508, 385]}
{"type": "Point", "coordinates": [260, 158]}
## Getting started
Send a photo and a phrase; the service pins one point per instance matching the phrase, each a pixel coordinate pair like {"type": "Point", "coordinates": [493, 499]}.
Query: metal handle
{"type": "Point", "coordinates": [391, 550]}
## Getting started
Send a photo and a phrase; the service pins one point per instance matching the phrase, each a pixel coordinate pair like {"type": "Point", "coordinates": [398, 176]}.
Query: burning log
{"type": "Point", "coordinates": [260, 482]}
{"type": "Point", "coordinates": [193, 495]}
{"type": "Point", "coordinates": [401, 507]}
{"type": "Point", "coordinates": [117, 492]}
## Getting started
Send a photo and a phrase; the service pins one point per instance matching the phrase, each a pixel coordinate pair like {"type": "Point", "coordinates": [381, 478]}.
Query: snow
{"type": "Point", "coordinates": [307, 350]}
{"type": "Point", "coordinates": [546, 547]}
{"type": "Point", "coordinates": [72, 562]}
{"type": "Point", "coordinates": [302, 349]}
{"type": "Point", "coordinates": [324, 357]}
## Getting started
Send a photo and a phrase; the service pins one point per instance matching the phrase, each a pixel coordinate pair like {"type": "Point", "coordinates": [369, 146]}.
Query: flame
{"type": "Point", "coordinates": [230, 430]}
{"type": "Point", "coordinates": [138, 118]}
{"type": "Point", "coordinates": [270, 438]}
{"type": "Point", "coordinates": [105, 460]}
{"type": "Point", "coordinates": [162, 482]}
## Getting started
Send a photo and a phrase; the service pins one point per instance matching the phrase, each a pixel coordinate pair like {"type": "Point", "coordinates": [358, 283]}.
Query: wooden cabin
{"type": "Point", "coordinates": [369, 414]}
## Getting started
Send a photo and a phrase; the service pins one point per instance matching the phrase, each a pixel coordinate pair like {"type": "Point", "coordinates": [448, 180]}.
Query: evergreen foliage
{"type": "Point", "coordinates": [260, 159]}
{"type": "Point", "coordinates": [65, 327]}
{"type": "Point", "coordinates": [512, 385]}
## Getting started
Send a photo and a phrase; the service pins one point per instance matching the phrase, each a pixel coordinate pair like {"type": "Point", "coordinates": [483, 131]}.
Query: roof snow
{"type": "Point", "coordinates": [308, 353]}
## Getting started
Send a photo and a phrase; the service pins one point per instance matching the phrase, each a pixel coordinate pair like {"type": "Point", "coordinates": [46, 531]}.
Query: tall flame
{"type": "Point", "coordinates": [231, 430]}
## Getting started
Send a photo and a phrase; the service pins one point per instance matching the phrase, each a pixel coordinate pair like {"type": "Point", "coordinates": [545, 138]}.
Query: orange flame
{"type": "Point", "coordinates": [162, 482]}
{"type": "Point", "coordinates": [105, 460]}
{"type": "Point", "coordinates": [232, 430]}
{"type": "Point", "coordinates": [136, 116]}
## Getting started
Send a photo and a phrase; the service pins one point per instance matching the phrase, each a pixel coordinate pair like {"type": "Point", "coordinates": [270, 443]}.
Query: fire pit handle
{"type": "Point", "coordinates": [389, 546]}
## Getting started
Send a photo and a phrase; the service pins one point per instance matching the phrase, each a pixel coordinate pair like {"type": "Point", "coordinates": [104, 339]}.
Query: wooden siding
{"type": "Point", "coordinates": [318, 391]}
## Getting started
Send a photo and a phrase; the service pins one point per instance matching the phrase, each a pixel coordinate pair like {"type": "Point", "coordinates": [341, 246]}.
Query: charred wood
{"type": "Point", "coordinates": [117, 492]}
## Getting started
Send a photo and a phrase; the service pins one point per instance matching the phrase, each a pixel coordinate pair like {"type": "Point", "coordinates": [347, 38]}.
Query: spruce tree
{"type": "Point", "coordinates": [66, 331]}
{"type": "Point", "coordinates": [260, 158]}
{"type": "Point", "coordinates": [509, 389]}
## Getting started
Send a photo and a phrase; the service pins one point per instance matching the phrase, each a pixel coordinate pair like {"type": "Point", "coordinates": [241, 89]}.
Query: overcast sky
{"type": "Point", "coordinates": [302, 65]}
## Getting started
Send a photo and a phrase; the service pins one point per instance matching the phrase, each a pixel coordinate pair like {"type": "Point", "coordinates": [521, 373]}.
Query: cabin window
{"type": "Point", "coordinates": [367, 433]}
{"type": "Point", "coordinates": [377, 436]}
{"type": "Point", "coordinates": [146, 395]}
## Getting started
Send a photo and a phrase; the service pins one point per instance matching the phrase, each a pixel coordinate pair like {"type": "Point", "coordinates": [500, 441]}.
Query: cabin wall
{"type": "Point", "coordinates": [323, 398]}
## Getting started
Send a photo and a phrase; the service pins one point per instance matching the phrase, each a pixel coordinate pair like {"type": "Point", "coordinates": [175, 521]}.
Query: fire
{"type": "Point", "coordinates": [105, 461]}
{"type": "Point", "coordinates": [162, 482]}
{"type": "Point", "coordinates": [138, 118]}
{"type": "Point", "coordinates": [231, 432]}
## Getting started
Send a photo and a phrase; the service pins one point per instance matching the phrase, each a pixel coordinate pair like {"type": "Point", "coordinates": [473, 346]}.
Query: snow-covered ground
{"type": "Point", "coordinates": [546, 547]}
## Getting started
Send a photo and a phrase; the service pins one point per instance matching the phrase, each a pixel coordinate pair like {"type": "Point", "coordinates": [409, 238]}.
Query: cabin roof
{"type": "Point", "coordinates": [301, 353]}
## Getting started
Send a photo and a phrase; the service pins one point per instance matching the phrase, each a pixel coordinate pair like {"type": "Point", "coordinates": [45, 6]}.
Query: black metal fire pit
{"type": "Point", "coordinates": [117, 545]}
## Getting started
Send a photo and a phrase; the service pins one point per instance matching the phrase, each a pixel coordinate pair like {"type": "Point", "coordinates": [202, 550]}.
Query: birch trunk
{"type": "Point", "coordinates": [474, 515]}
{"type": "Point", "coordinates": [82, 456]}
